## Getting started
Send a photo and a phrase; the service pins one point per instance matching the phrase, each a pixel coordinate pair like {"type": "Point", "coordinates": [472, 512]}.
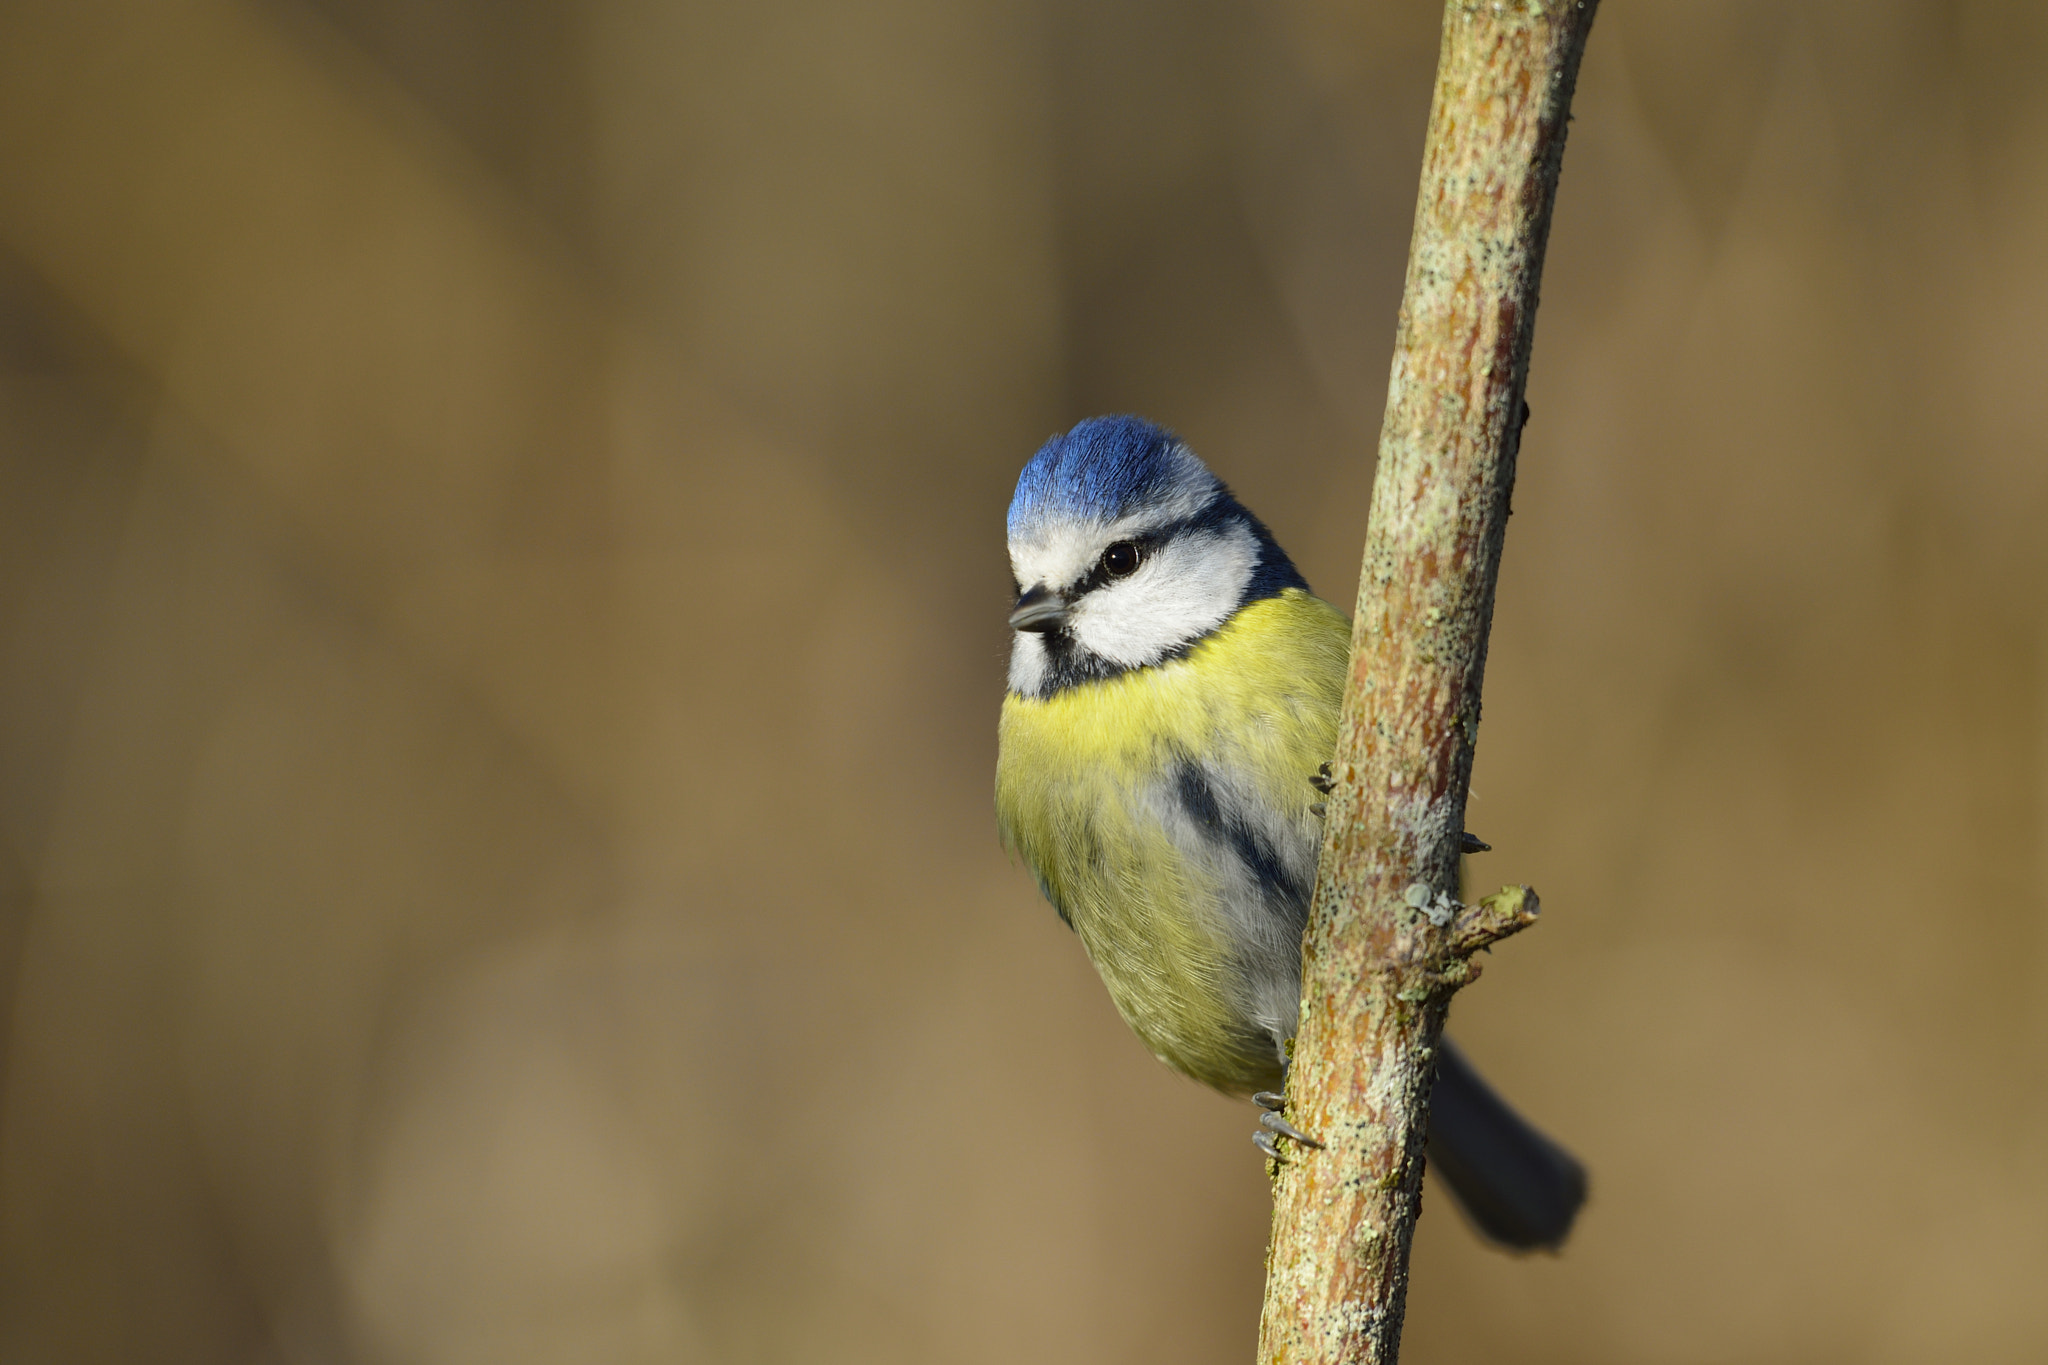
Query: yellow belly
{"type": "Point", "coordinates": [1084, 795]}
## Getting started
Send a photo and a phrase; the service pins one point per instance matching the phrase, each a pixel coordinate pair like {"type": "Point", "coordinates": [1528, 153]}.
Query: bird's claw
{"type": "Point", "coordinates": [1468, 842]}
{"type": "Point", "coordinates": [1272, 1122]}
{"type": "Point", "coordinates": [1322, 781]}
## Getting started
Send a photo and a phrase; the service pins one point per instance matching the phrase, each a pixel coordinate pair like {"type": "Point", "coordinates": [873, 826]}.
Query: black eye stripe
{"type": "Point", "coordinates": [1100, 576]}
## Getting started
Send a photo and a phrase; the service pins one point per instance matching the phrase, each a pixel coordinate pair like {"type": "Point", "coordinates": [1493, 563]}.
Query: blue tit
{"type": "Point", "coordinates": [1173, 690]}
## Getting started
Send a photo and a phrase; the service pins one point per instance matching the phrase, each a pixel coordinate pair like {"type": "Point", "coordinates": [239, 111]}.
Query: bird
{"type": "Point", "coordinates": [1172, 696]}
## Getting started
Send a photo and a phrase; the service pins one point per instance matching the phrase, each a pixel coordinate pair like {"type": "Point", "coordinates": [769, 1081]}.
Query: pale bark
{"type": "Point", "coordinates": [1387, 945]}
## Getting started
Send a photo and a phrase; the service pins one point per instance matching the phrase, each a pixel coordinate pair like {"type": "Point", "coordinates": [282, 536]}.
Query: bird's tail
{"type": "Point", "coordinates": [1517, 1186]}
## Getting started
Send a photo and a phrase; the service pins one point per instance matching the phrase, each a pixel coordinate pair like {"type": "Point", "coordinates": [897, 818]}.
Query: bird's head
{"type": "Point", "coordinates": [1126, 551]}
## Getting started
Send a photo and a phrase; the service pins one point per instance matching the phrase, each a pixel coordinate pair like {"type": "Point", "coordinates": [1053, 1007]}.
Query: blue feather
{"type": "Point", "coordinates": [1105, 468]}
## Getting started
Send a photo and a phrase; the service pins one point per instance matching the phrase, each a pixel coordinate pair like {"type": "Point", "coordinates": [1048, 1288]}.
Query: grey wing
{"type": "Point", "coordinates": [1264, 862]}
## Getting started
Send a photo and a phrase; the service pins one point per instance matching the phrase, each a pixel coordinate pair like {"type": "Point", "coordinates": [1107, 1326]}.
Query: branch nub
{"type": "Point", "coordinates": [1507, 911]}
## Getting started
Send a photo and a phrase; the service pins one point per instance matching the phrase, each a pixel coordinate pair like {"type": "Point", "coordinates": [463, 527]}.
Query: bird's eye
{"type": "Point", "coordinates": [1121, 559]}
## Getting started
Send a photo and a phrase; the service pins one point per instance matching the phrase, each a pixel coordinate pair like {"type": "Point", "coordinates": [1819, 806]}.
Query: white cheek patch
{"type": "Point", "coordinates": [1188, 587]}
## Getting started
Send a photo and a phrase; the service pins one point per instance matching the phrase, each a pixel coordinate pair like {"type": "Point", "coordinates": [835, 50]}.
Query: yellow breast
{"type": "Point", "coordinates": [1084, 794]}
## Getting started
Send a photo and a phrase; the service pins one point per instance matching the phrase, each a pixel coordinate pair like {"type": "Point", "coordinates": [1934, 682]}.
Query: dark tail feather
{"type": "Point", "coordinates": [1516, 1185]}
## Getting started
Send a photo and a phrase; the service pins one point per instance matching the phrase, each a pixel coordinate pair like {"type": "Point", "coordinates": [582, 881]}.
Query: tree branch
{"type": "Point", "coordinates": [1387, 943]}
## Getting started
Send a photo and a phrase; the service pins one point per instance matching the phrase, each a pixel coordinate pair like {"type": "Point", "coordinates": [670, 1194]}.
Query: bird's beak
{"type": "Point", "coordinates": [1041, 610]}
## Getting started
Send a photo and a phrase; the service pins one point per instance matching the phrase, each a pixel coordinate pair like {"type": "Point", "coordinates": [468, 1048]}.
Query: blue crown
{"type": "Point", "coordinates": [1108, 467]}
{"type": "Point", "coordinates": [1105, 468]}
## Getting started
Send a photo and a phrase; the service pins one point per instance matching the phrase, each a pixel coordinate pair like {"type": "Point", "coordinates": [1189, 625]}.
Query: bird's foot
{"type": "Point", "coordinates": [1271, 1122]}
{"type": "Point", "coordinates": [1468, 842]}
{"type": "Point", "coordinates": [1321, 780]}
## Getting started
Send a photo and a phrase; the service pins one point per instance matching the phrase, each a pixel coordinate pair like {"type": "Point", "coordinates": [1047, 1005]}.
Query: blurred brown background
{"type": "Point", "coordinates": [501, 598]}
